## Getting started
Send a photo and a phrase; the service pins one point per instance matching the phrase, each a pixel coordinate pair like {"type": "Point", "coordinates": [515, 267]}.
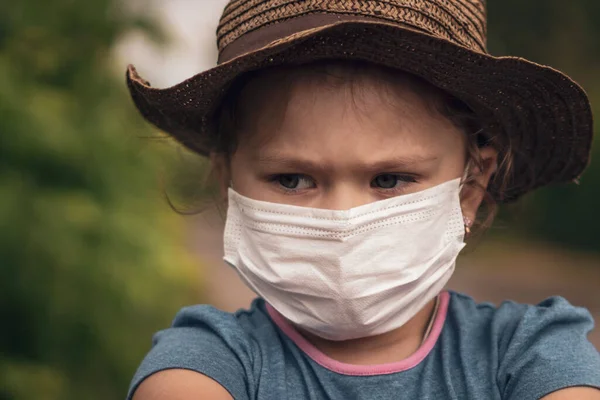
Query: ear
{"type": "Point", "coordinates": [473, 193]}
{"type": "Point", "coordinates": [220, 167]}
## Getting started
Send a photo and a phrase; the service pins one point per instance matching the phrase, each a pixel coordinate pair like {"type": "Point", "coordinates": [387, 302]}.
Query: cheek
{"type": "Point", "coordinates": [455, 163]}
{"type": "Point", "coordinates": [245, 179]}
{"type": "Point", "coordinates": [239, 171]}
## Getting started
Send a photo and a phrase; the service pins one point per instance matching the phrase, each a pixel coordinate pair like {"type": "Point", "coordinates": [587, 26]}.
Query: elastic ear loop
{"type": "Point", "coordinates": [466, 220]}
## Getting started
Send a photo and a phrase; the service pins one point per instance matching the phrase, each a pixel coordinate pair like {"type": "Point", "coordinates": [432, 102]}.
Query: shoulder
{"type": "Point", "coordinates": [204, 320]}
{"type": "Point", "coordinates": [538, 349]}
{"type": "Point", "coordinates": [510, 316]}
{"type": "Point", "coordinates": [511, 325]}
{"type": "Point", "coordinates": [180, 384]}
{"type": "Point", "coordinates": [204, 340]}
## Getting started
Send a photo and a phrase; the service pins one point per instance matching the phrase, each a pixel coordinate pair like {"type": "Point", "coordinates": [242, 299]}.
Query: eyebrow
{"type": "Point", "coordinates": [295, 162]}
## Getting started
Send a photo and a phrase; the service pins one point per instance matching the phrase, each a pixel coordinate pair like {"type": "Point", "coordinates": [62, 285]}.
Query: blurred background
{"type": "Point", "coordinates": [92, 259]}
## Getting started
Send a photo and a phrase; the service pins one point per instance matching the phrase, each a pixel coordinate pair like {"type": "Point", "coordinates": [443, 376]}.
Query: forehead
{"type": "Point", "coordinates": [340, 110]}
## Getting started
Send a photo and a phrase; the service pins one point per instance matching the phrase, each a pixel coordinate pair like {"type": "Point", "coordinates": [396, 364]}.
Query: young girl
{"type": "Point", "coordinates": [356, 144]}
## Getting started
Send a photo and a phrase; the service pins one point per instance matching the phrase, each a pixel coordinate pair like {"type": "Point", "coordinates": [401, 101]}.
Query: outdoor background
{"type": "Point", "coordinates": [92, 259]}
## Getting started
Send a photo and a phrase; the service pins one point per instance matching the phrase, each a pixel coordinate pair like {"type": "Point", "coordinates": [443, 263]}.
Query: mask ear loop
{"type": "Point", "coordinates": [466, 220]}
{"type": "Point", "coordinates": [220, 209]}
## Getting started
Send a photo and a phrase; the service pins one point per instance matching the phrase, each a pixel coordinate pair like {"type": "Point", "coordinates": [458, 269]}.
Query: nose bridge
{"type": "Point", "coordinates": [345, 195]}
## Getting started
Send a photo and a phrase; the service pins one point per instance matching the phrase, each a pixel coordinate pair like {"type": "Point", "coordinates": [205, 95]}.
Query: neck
{"type": "Point", "coordinates": [389, 347]}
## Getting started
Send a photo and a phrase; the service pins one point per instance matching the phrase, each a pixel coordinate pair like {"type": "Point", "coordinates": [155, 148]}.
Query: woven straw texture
{"type": "Point", "coordinates": [543, 114]}
{"type": "Point", "coordinates": [458, 21]}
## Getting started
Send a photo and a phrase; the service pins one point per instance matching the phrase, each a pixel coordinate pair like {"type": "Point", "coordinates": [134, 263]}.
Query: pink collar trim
{"type": "Point", "coordinates": [365, 370]}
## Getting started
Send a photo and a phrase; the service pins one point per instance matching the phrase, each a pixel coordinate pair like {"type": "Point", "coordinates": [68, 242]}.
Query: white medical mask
{"type": "Point", "coordinates": [347, 274]}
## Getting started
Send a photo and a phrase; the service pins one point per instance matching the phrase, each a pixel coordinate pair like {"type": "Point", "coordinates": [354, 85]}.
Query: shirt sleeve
{"type": "Point", "coordinates": [546, 349]}
{"type": "Point", "coordinates": [204, 340]}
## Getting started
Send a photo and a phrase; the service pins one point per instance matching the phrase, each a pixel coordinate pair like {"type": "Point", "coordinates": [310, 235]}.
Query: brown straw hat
{"type": "Point", "coordinates": [543, 114]}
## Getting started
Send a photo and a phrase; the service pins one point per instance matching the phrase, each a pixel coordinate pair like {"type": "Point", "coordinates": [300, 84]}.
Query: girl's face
{"type": "Point", "coordinates": [336, 147]}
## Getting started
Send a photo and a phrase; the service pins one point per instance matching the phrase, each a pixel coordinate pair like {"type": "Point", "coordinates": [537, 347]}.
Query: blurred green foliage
{"type": "Point", "coordinates": [92, 261]}
{"type": "Point", "coordinates": [565, 35]}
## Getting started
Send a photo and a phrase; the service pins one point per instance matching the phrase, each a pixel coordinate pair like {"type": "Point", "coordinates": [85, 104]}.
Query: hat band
{"type": "Point", "coordinates": [267, 34]}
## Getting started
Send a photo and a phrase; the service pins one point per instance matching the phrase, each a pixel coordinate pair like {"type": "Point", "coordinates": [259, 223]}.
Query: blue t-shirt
{"type": "Point", "coordinates": [474, 351]}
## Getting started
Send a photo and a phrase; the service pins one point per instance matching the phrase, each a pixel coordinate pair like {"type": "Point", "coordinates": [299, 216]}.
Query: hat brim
{"type": "Point", "coordinates": [544, 114]}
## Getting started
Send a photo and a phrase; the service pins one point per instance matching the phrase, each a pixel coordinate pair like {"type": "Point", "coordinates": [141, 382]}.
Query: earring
{"type": "Point", "coordinates": [468, 224]}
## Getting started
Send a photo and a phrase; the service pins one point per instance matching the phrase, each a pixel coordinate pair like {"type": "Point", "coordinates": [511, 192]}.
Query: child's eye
{"type": "Point", "coordinates": [390, 181]}
{"type": "Point", "coordinates": [294, 182]}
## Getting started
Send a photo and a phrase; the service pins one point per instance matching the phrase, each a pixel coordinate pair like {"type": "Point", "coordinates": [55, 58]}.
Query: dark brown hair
{"type": "Point", "coordinates": [231, 118]}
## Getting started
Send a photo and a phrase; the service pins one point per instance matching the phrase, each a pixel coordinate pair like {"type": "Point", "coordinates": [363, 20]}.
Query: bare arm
{"type": "Point", "coordinates": [574, 393]}
{"type": "Point", "coordinates": [181, 384]}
